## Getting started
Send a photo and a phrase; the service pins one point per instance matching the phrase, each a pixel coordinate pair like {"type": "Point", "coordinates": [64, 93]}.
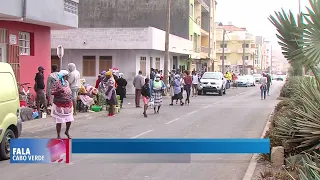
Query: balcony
{"type": "Point", "coordinates": [205, 49]}
{"type": "Point", "coordinates": [226, 50]}
{"type": "Point", "coordinates": [57, 14]}
{"type": "Point", "coordinates": [247, 50]}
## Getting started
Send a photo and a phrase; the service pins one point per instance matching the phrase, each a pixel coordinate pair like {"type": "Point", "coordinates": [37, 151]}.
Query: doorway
{"type": "Point", "coordinates": [175, 62]}
{"type": "Point", "coordinates": [55, 60]}
{"type": "Point", "coordinates": [3, 53]}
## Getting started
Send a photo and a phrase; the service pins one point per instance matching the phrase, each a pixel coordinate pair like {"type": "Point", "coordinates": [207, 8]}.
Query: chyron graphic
{"type": "Point", "coordinates": [58, 150]}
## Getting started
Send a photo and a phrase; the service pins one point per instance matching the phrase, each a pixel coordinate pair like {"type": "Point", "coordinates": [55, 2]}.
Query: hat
{"type": "Point", "coordinates": [41, 68]}
{"type": "Point", "coordinates": [109, 73]}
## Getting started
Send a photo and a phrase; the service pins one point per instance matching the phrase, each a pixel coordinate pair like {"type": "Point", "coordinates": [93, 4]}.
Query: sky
{"type": "Point", "coordinates": [253, 14]}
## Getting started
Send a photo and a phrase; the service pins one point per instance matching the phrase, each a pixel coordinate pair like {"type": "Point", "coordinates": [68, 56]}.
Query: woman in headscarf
{"type": "Point", "coordinates": [121, 88]}
{"type": "Point", "coordinates": [109, 92]}
{"type": "Point", "coordinates": [177, 90]}
{"type": "Point", "coordinates": [62, 103]}
{"type": "Point", "coordinates": [157, 87]}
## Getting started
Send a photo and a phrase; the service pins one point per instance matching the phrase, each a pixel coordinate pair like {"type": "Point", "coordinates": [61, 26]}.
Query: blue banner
{"type": "Point", "coordinates": [27, 150]}
{"type": "Point", "coordinates": [172, 146]}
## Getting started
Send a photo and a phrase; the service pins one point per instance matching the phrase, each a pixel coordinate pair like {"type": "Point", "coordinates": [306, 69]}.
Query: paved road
{"type": "Point", "coordinates": [239, 114]}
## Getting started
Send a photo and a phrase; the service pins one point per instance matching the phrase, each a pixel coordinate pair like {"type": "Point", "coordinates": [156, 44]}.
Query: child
{"type": "Point", "coordinates": [145, 92]}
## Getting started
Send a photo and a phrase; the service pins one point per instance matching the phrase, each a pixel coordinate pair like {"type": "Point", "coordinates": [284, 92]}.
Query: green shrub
{"type": "Point", "coordinates": [289, 87]}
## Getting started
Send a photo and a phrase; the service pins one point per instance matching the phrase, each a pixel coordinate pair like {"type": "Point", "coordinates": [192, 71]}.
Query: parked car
{"type": "Point", "coordinates": [280, 78]}
{"type": "Point", "coordinates": [245, 81]}
{"type": "Point", "coordinates": [257, 78]}
{"type": "Point", "coordinates": [10, 122]}
{"type": "Point", "coordinates": [212, 82]}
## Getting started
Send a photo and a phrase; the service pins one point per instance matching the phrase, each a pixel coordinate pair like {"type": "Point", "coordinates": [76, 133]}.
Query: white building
{"type": "Point", "coordinates": [128, 49]}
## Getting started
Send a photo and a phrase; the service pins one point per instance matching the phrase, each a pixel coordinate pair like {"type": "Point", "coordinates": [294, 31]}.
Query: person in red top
{"type": "Point", "coordinates": [161, 75]}
{"type": "Point", "coordinates": [187, 85]}
{"type": "Point", "coordinates": [234, 79]}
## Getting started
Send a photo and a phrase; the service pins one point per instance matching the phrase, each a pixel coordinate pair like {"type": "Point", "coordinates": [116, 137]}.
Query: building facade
{"type": "Point", "coordinates": [25, 27]}
{"type": "Point", "coordinates": [128, 49]}
{"type": "Point", "coordinates": [186, 20]}
{"type": "Point", "coordinates": [238, 43]}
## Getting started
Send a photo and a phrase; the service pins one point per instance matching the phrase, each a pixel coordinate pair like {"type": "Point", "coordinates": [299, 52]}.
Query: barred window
{"type": "Point", "coordinates": [24, 43]}
{"type": "Point", "coordinates": [71, 6]}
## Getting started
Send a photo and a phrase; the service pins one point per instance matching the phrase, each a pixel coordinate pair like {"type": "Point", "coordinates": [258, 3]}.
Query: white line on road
{"type": "Point", "coordinates": [192, 112]}
{"type": "Point", "coordinates": [206, 107]}
{"type": "Point", "coordinates": [172, 121]}
{"type": "Point", "coordinates": [141, 134]}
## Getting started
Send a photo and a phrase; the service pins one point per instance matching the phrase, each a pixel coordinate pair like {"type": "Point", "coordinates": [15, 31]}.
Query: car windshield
{"type": "Point", "coordinates": [211, 76]}
{"type": "Point", "coordinates": [257, 75]}
{"type": "Point", "coordinates": [248, 77]}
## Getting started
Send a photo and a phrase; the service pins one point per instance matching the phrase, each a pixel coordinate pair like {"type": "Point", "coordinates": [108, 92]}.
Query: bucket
{"type": "Point", "coordinates": [44, 115]}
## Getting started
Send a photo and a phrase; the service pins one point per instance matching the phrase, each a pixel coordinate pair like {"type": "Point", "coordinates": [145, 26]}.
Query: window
{"type": "Point", "coordinates": [191, 10]}
{"type": "Point", "coordinates": [105, 63]}
{"type": "Point", "coordinates": [223, 45]}
{"type": "Point", "coordinates": [143, 65]}
{"type": "Point", "coordinates": [55, 60]}
{"type": "Point", "coordinates": [246, 58]}
{"type": "Point", "coordinates": [24, 43]}
{"type": "Point", "coordinates": [89, 66]}
{"type": "Point", "coordinates": [221, 57]}
{"type": "Point", "coordinates": [71, 6]}
{"type": "Point", "coordinates": [151, 62]}
{"type": "Point", "coordinates": [245, 46]}
{"type": "Point", "coordinates": [157, 63]}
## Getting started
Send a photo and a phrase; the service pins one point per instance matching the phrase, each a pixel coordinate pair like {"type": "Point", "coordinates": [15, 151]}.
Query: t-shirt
{"type": "Point", "coordinates": [39, 81]}
{"type": "Point", "coordinates": [195, 79]}
{"type": "Point", "coordinates": [188, 80]}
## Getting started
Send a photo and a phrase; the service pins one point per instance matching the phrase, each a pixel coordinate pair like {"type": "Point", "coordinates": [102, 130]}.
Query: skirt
{"type": "Point", "coordinates": [62, 114]}
{"type": "Point", "coordinates": [177, 96]}
{"type": "Point", "coordinates": [86, 100]}
{"type": "Point", "coordinates": [157, 95]}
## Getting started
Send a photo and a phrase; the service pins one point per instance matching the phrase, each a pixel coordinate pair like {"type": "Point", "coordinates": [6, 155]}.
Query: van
{"type": "Point", "coordinates": [10, 122]}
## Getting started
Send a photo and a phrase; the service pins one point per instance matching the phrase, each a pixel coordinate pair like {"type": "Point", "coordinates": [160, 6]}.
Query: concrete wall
{"type": "Point", "coordinates": [119, 38]}
{"type": "Point", "coordinates": [137, 13]}
{"type": "Point", "coordinates": [9, 8]}
{"type": "Point", "coordinates": [57, 14]}
{"type": "Point", "coordinates": [128, 62]}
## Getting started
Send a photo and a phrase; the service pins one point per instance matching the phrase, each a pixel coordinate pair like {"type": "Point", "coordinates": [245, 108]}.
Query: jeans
{"type": "Point", "coordinates": [138, 97]}
{"type": "Point", "coordinates": [187, 87]}
{"type": "Point", "coordinates": [228, 84]}
{"type": "Point", "coordinates": [263, 93]}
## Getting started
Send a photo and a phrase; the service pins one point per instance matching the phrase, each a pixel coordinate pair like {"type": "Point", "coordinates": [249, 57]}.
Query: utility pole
{"type": "Point", "coordinates": [253, 59]}
{"type": "Point", "coordinates": [223, 41]}
{"type": "Point", "coordinates": [166, 53]}
{"type": "Point", "coordinates": [209, 54]}
{"type": "Point", "coordinates": [243, 56]}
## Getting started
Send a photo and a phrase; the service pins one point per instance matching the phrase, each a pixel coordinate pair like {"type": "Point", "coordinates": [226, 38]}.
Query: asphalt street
{"type": "Point", "coordinates": [238, 114]}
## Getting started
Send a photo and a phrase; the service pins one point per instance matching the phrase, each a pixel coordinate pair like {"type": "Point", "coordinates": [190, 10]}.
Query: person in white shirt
{"type": "Point", "coordinates": [195, 82]}
{"type": "Point", "coordinates": [263, 86]}
{"type": "Point", "coordinates": [75, 84]}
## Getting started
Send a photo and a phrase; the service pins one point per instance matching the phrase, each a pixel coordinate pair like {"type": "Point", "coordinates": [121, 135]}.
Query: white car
{"type": "Point", "coordinates": [245, 81]}
{"type": "Point", "coordinates": [212, 82]}
{"type": "Point", "coordinates": [257, 78]}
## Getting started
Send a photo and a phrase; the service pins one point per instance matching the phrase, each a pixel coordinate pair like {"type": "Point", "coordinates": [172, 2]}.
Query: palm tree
{"type": "Point", "coordinates": [300, 43]}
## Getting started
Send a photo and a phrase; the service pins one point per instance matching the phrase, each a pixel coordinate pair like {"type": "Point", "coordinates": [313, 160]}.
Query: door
{"type": "Point", "coordinates": [55, 60]}
{"type": "Point", "coordinates": [14, 60]}
{"type": "Point", "coordinates": [175, 62]}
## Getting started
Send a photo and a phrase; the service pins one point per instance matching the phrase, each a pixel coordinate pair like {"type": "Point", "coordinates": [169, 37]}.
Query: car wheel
{"type": "Point", "coordinates": [221, 92]}
{"type": "Point", "coordinates": [224, 91]}
{"type": "Point", "coordinates": [5, 144]}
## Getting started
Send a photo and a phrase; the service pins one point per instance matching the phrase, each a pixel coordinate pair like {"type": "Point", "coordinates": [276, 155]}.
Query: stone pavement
{"type": "Point", "coordinates": [239, 114]}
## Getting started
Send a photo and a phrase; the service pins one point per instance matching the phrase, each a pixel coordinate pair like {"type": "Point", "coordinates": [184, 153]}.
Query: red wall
{"type": "Point", "coordinates": [40, 54]}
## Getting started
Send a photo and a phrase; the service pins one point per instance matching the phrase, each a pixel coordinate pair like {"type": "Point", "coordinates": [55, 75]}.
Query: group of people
{"type": "Point", "coordinates": [61, 93]}
{"type": "Point", "coordinates": [266, 82]}
{"type": "Point", "coordinates": [231, 79]}
{"type": "Point", "coordinates": [153, 89]}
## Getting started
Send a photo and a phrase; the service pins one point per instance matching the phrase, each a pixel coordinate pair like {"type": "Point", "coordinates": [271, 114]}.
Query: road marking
{"type": "Point", "coordinates": [172, 121]}
{"type": "Point", "coordinates": [141, 134]}
{"type": "Point", "coordinates": [192, 112]}
{"type": "Point", "coordinates": [206, 107]}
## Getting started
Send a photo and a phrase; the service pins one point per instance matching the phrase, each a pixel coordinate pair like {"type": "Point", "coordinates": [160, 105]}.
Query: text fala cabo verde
{"type": "Point", "coordinates": [25, 155]}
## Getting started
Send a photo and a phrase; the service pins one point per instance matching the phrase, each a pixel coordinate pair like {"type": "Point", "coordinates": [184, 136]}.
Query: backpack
{"type": "Point", "coordinates": [145, 90]}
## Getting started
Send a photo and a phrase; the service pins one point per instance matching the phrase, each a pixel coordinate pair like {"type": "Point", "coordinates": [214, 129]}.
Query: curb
{"type": "Point", "coordinates": [253, 161]}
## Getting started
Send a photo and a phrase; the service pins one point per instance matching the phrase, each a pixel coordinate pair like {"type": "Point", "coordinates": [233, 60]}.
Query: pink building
{"type": "Point", "coordinates": [25, 27]}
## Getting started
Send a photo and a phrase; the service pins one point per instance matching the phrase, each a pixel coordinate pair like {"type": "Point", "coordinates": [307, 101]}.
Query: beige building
{"type": "Point", "coordinates": [237, 42]}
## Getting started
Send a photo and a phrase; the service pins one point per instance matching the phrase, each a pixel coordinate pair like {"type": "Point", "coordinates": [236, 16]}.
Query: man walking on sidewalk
{"type": "Point", "coordinates": [138, 82]}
